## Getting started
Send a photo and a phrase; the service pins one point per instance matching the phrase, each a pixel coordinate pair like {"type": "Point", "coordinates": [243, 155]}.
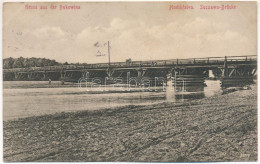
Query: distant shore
{"type": "Point", "coordinates": [220, 128]}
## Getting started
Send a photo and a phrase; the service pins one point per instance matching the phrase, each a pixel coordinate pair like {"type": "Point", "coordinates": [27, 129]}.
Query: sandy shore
{"type": "Point", "coordinates": [221, 128]}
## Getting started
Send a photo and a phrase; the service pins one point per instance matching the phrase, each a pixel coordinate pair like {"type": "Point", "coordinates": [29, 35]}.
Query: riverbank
{"type": "Point", "coordinates": [220, 128]}
{"type": "Point", "coordinates": [36, 84]}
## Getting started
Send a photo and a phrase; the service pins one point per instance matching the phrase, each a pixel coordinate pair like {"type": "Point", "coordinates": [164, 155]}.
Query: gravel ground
{"type": "Point", "coordinates": [221, 128]}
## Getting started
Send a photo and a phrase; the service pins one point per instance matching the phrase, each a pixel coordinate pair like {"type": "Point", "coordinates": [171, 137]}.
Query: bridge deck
{"type": "Point", "coordinates": [211, 62]}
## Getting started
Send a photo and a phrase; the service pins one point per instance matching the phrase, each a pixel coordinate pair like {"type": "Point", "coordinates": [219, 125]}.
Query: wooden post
{"type": "Point", "coordinates": [108, 49]}
{"type": "Point", "coordinates": [28, 74]}
{"type": "Point", "coordinates": [175, 80]}
{"type": "Point", "coordinates": [225, 70]}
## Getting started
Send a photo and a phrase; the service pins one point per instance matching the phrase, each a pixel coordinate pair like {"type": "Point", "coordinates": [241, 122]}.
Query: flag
{"type": "Point", "coordinates": [97, 44]}
{"type": "Point", "coordinates": [101, 48]}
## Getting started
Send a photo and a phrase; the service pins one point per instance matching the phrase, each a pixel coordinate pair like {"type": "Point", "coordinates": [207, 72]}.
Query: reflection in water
{"type": "Point", "coordinates": [213, 88]}
{"type": "Point", "coordinates": [182, 93]}
{"type": "Point", "coordinates": [24, 102]}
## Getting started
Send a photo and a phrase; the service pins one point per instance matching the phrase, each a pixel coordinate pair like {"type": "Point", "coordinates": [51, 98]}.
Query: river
{"type": "Point", "coordinates": [33, 98]}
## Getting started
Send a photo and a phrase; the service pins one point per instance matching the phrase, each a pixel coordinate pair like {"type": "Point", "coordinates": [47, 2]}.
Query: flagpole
{"type": "Point", "coordinates": [108, 54]}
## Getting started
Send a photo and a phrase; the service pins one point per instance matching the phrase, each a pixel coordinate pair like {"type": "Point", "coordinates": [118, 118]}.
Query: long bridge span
{"type": "Point", "coordinates": [230, 69]}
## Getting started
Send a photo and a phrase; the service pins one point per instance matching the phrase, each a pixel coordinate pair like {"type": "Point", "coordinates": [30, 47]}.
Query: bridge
{"type": "Point", "coordinates": [192, 71]}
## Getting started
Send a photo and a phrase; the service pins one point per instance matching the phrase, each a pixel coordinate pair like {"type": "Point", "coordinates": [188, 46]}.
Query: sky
{"type": "Point", "coordinates": [136, 30]}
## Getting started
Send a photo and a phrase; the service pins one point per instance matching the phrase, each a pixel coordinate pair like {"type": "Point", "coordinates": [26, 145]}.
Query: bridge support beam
{"type": "Point", "coordinates": [238, 76]}
{"type": "Point", "coordinates": [235, 75]}
{"type": "Point", "coordinates": [9, 76]}
{"type": "Point", "coordinates": [141, 76]}
{"type": "Point", "coordinates": [21, 76]}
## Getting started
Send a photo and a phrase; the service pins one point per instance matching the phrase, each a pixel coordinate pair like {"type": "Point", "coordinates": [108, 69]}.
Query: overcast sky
{"type": "Point", "coordinates": [140, 31]}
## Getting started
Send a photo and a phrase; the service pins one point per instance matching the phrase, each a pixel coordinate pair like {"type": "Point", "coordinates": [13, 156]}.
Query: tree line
{"type": "Point", "coordinates": [21, 62]}
{"type": "Point", "coordinates": [32, 62]}
{"type": "Point", "coordinates": [28, 62]}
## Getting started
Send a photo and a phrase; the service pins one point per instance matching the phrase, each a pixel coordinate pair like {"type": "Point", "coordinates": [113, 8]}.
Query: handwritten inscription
{"type": "Point", "coordinates": [220, 7]}
{"type": "Point", "coordinates": [202, 7]}
{"type": "Point", "coordinates": [52, 7]}
{"type": "Point", "coordinates": [181, 7]}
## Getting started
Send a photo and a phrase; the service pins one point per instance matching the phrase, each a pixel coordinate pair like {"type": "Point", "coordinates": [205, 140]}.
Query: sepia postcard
{"type": "Point", "coordinates": [129, 81]}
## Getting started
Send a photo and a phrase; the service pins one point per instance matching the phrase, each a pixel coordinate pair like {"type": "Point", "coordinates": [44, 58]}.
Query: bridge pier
{"type": "Point", "coordinates": [9, 76]}
{"type": "Point", "coordinates": [235, 75]}
{"type": "Point", "coordinates": [44, 75]}
{"type": "Point", "coordinates": [16, 75]}
{"type": "Point", "coordinates": [189, 76]}
{"type": "Point", "coordinates": [139, 76]}
{"type": "Point", "coordinates": [140, 79]}
{"type": "Point", "coordinates": [71, 75]}
{"type": "Point", "coordinates": [157, 77]}
{"type": "Point", "coordinates": [109, 72]}
{"type": "Point", "coordinates": [53, 75]}
{"type": "Point", "coordinates": [238, 76]}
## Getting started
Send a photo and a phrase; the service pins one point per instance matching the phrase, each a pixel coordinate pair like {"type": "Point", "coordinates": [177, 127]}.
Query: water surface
{"type": "Point", "coordinates": [24, 98]}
